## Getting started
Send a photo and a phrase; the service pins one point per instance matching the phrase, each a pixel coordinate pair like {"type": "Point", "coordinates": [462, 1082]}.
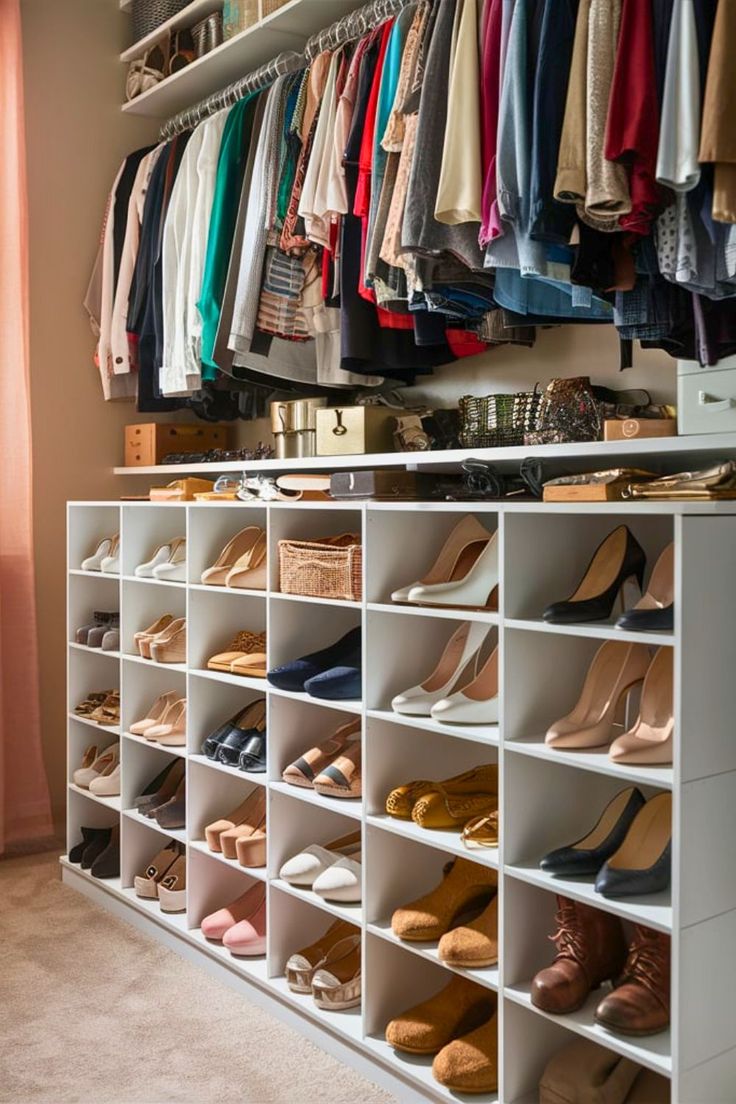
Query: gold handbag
{"type": "Point", "coordinates": [716, 482]}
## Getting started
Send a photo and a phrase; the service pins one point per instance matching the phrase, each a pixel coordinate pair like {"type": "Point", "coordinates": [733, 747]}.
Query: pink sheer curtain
{"type": "Point", "coordinates": [25, 811]}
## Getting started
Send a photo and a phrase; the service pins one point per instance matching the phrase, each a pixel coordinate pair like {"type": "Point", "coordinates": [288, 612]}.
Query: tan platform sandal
{"type": "Point", "coordinates": [336, 983]}
{"type": "Point", "coordinates": [248, 816]}
{"type": "Point", "coordinates": [304, 770]}
{"type": "Point", "coordinates": [145, 636]}
{"type": "Point", "coordinates": [170, 646]}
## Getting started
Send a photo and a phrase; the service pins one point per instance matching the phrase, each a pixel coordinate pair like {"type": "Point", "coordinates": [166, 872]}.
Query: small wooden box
{"type": "Point", "coordinates": [148, 443]}
{"type": "Point", "coordinates": [354, 430]}
{"type": "Point", "coordinates": [625, 429]}
{"type": "Point", "coordinates": [586, 492]}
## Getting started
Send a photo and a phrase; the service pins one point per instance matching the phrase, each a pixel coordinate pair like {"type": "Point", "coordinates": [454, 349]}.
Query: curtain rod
{"type": "Point", "coordinates": [352, 26]}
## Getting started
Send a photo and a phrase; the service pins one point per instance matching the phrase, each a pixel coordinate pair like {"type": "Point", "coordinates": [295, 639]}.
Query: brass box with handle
{"type": "Point", "coordinates": [355, 430]}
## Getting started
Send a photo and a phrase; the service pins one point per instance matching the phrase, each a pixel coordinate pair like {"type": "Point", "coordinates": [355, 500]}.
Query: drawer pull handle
{"type": "Point", "coordinates": [715, 405]}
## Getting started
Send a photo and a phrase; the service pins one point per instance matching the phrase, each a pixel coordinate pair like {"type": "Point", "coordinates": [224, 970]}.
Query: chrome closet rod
{"type": "Point", "coordinates": [283, 63]}
{"type": "Point", "coordinates": [352, 26]}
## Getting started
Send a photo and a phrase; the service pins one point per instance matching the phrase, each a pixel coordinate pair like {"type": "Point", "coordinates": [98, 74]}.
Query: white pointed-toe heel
{"type": "Point", "coordinates": [174, 568]}
{"type": "Point", "coordinates": [103, 549]}
{"type": "Point", "coordinates": [476, 703]}
{"type": "Point", "coordinates": [456, 668]}
{"type": "Point", "coordinates": [160, 556]}
{"type": "Point", "coordinates": [457, 557]}
{"type": "Point", "coordinates": [111, 563]}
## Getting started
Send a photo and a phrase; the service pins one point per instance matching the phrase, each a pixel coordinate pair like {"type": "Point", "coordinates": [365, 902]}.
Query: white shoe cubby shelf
{"type": "Point", "coordinates": [547, 797]}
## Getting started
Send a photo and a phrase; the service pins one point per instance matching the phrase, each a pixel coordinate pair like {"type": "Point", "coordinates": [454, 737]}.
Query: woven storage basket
{"type": "Point", "coordinates": [269, 6]}
{"type": "Point", "coordinates": [150, 14]}
{"type": "Point", "coordinates": [331, 567]}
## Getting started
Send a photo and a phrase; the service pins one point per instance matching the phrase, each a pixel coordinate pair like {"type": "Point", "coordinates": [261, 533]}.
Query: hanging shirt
{"type": "Point", "coordinates": [184, 245]}
{"type": "Point", "coordinates": [632, 126]}
{"type": "Point", "coordinates": [230, 167]}
{"type": "Point", "coordinates": [459, 189]}
{"type": "Point", "coordinates": [678, 167]}
{"type": "Point", "coordinates": [718, 139]}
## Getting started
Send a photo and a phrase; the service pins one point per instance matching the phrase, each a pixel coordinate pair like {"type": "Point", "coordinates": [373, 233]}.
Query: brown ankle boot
{"type": "Point", "coordinates": [590, 949]}
{"type": "Point", "coordinates": [640, 1005]}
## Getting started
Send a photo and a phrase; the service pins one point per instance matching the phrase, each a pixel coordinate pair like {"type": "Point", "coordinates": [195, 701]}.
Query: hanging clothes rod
{"type": "Point", "coordinates": [287, 62]}
{"type": "Point", "coordinates": [352, 26]}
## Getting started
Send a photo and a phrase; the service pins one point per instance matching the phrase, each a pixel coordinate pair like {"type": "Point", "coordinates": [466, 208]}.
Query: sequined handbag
{"type": "Point", "coordinates": [568, 411]}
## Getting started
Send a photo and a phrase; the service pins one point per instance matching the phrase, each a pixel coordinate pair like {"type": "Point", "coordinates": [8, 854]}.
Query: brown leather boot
{"type": "Point", "coordinates": [640, 1005]}
{"type": "Point", "coordinates": [590, 949]}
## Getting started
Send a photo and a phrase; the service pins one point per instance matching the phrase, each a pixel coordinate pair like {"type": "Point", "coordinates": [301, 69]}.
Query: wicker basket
{"type": "Point", "coordinates": [331, 567]}
{"type": "Point", "coordinates": [150, 14]}
{"type": "Point", "coordinates": [493, 421]}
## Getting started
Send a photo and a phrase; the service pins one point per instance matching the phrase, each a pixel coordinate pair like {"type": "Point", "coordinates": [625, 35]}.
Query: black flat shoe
{"type": "Point", "coordinates": [97, 845]}
{"type": "Point", "coordinates": [253, 756]}
{"type": "Point", "coordinates": [587, 855]}
{"type": "Point", "coordinates": [345, 652]}
{"type": "Point", "coordinates": [642, 863]}
{"type": "Point", "coordinates": [618, 559]}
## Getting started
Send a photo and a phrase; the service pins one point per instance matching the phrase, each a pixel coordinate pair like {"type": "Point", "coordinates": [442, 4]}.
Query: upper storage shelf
{"type": "Point", "coordinates": [287, 28]}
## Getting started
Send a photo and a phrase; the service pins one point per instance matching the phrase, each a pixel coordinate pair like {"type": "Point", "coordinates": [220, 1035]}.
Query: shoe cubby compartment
{"type": "Point", "coordinates": [403, 544]}
{"type": "Point", "coordinates": [89, 523]}
{"type": "Point", "coordinates": [396, 982]}
{"type": "Point", "coordinates": [141, 841]}
{"type": "Point", "coordinates": [558, 666]}
{"type": "Point", "coordinates": [141, 763]}
{"type": "Point", "coordinates": [142, 607]}
{"type": "Point", "coordinates": [83, 810]}
{"type": "Point", "coordinates": [309, 522]}
{"type": "Point", "coordinates": [88, 592]}
{"type": "Point", "coordinates": [89, 672]}
{"type": "Point", "coordinates": [211, 795]}
{"type": "Point", "coordinates": [295, 825]}
{"type": "Point", "coordinates": [410, 650]}
{"type": "Point", "coordinates": [294, 923]}
{"type": "Point", "coordinates": [295, 726]}
{"type": "Point", "coordinates": [529, 913]}
{"type": "Point", "coordinates": [147, 527]}
{"type": "Point", "coordinates": [393, 757]}
{"type": "Point", "coordinates": [210, 705]}
{"type": "Point", "coordinates": [215, 618]}
{"type": "Point", "coordinates": [211, 886]}
{"type": "Point", "coordinates": [398, 870]}
{"type": "Point", "coordinates": [299, 628]}
{"type": "Point", "coordinates": [547, 555]}
{"type": "Point", "coordinates": [142, 684]}
{"type": "Point", "coordinates": [211, 527]}
{"type": "Point", "coordinates": [530, 1041]}
{"type": "Point", "coordinates": [81, 737]}
{"type": "Point", "coordinates": [549, 805]}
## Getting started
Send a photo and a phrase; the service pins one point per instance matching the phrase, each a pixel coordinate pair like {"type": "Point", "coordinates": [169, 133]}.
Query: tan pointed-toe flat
{"type": "Point", "coordinates": [243, 645]}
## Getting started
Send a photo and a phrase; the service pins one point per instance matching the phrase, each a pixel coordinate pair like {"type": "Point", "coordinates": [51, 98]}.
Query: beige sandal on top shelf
{"type": "Point", "coordinates": [148, 71]}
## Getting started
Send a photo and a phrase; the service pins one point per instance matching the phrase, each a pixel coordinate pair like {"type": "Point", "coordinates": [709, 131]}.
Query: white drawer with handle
{"type": "Point", "coordinates": [706, 401]}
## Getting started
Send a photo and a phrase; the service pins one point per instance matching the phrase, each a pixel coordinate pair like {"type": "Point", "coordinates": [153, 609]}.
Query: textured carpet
{"type": "Point", "coordinates": [93, 1011]}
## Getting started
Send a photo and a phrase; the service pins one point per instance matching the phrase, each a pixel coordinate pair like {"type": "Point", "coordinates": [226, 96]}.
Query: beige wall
{"type": "Point", "coordinates": [76, 138]}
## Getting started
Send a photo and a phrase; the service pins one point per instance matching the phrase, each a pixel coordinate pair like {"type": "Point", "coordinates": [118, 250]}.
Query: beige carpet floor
{"type": "Point", "coordinates": [94, 1012]}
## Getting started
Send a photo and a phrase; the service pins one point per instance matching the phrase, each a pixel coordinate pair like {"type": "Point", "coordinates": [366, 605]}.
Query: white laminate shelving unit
{"type": "Point", "coordinates": [547, 798]}
{"type": "Point", "coordinates": [286, 28]}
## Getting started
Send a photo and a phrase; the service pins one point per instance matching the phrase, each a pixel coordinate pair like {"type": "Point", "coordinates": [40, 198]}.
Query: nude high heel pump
{"type": "Point", "coordinates": [171, 731]}
{"type": "Point", "coordinates": [476, 703]}
{"type": "Point", "coordinates": [615, 670]}
{"type": "Point", "coordinates": [649, 742]}
{"type": "Point", "coordinates": [619, 561]}
{"type": "Point", "coordinates": [465, 575]}
{"type": "Point", "coordinates": [455, 666]}
{"type": "Point", "coordinates": [655, 611]}
{"type": "Point", "coordinates": [242, 543]}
